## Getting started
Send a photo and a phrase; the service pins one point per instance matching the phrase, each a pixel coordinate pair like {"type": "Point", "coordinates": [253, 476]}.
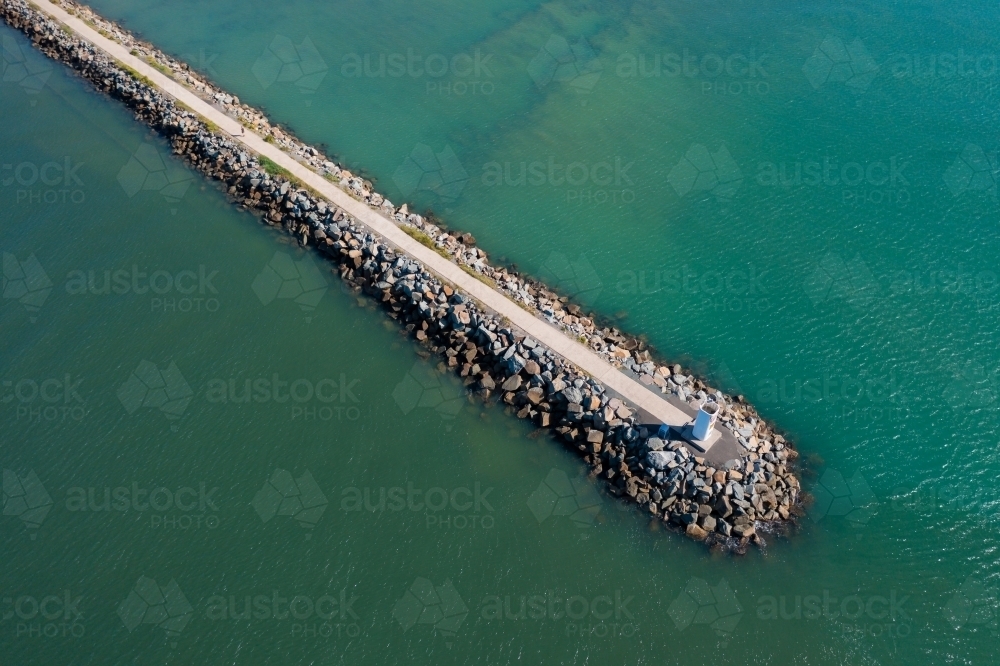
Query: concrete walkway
{"type": "Point", "coordinates": [540, 330]}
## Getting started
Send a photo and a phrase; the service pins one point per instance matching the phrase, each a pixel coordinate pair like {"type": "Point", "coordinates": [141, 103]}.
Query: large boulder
{"type": "Point", "coordinates": [696, 532]}
{"type": "Point", "coordinates": [512, 384]}
{"type": "Point", "coordinates": [659, 460]}
{"type": "Point", "coordinates": [723, 507]}
{"type": "Point", "coordinates": [573, 394]}
{"type": "Point", "coordinates": [655, 444]}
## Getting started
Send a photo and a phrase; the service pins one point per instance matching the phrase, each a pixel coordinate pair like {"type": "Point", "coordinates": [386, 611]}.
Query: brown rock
{"type": "Point", "coordinates": [512, 384]}
{"type": "Point", "coordinates": [696, 532]}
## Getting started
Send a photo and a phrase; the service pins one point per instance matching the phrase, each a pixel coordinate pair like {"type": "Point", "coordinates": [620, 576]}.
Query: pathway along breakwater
{"type": "Point", "coordinates": [729, 504]}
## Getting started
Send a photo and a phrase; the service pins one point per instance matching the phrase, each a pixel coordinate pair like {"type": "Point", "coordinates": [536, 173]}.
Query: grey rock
{"type": "Point", "coordinates": [573, 394]}
{"type": "Point", "coordinates": [655, 444]}
{"type": "Point", "coordinates": [659, 459]}
{"type": "Point", "coordinates": [723, 507]}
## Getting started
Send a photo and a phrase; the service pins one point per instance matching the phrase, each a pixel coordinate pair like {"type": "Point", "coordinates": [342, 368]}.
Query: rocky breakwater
{"type": "Point", "coordinates": [730, 505]}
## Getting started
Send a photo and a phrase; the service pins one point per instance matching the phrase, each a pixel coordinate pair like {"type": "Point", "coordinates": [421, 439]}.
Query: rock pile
{"type": "Point", "coordinates": [728, 505]}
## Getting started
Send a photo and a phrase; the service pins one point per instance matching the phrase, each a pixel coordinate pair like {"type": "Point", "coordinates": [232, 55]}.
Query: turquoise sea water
{"type": "Point", "coordinates": [835, 261]}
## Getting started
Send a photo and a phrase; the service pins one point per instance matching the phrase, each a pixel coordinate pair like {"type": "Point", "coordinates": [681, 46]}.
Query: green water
{"type": "Point", "coordinates": [861, 318]}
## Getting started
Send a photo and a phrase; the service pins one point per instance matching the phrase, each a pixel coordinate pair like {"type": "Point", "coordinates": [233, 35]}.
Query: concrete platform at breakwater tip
{"type": "Point", "coordinates": [653, 408]}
